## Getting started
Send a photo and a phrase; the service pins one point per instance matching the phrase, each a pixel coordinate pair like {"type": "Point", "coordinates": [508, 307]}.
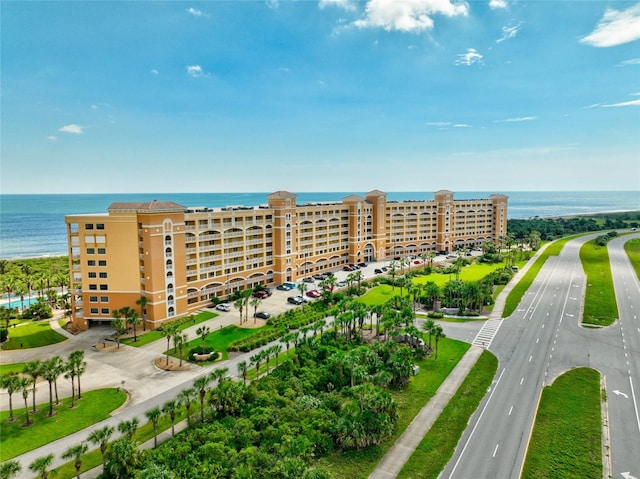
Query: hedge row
{"type": "Point", "coordinates": [256, 340]}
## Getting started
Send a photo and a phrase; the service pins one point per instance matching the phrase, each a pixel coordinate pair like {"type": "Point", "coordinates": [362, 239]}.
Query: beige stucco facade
{"type": "Point", "coordinates": [178, 258]}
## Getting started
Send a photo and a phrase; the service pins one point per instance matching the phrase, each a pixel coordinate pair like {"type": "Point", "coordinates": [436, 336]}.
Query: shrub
{"type": "Point", "coordinates": [206, 350]}
{"type": "Point", "coordinates": [3, 335]}
{"type": "Point", "coordinates": [435, 315]}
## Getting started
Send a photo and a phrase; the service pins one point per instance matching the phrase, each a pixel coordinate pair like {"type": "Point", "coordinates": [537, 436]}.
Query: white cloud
{"type": "Point", "coordinates": [509, 32]}
{"type": "Point", "coordinates": [408, 15]}
{"type": "Point", "coordinates": [272, 4]}
{"type": "Point", "coordinates": [348, 5]}
{"type": "Point", "coordinates": [438, 123]}
{"type": "Point", "coordinates": [195, 12]}
{"type": "Point", "coordinates": [73, 128]}
{"type": "Point", "coordinates": [472, 56]}
{"type": "Point", "coordinates": [196, 71]}
{"type": "Point", "coordinates": [498, 4]}
{"type": "Point", "coordinates": [52, 138]}
{"type": "Point", "coordinates": [616, 28]}
{"type": "Point", "coordinates": [518, 119]}
{"type": "Point", "coordinates": [632, 61]}
{"type": "Point", "coordinates": [461, 125]}
{"type": "Point", "coordinates": [623, 103]}
{"type": "Point", "coordinates": [153, 71]}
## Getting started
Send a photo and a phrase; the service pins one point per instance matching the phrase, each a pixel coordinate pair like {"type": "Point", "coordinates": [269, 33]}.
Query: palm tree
{"type": "Point", "coordinates": [276, 349]}
{"type": "Point", "coordinates": [129, 428]}
{"type": "Point", "coordinates": [239, 305]}
{"type": "Point", "coordinates": [134, 320]}
{"type": "Point", "coordinates": [76, 452]}
{"type": "Point", "coordinates": [154, 415]}
{"type": "Point", "coordinates": [393, 272]}
{"type": "Point", "coordinates": [429, 327]}
{"type": "Point", "coordinates": [27, 273]}
{"type": "Point", "coordinates": [100, 437]}
{"type": "Point", "coordinates": [168, 330]}
{"type": "Point", "coordinates": [438, 334]}
{"type": "Point", "coordinates": [76, 360]}
{"type": "Point", "coordinates": [41, 465]}
{"type": "Point", "coordinates": [200, 385]}
{"type": "Point", "coordinates": [50, 370]}
{"type": "Point", "coordinates": [219, 374]}
{"type": "Point", "coordinates": [142, 302]}
{"type": "Point", "coordinates": [255, 303]}
{"type": "Point", "coordinates": [23, 386]}
{"type": "Point", "coordinates": [203, 332]}
{"type": "Point", "coordinates": [179, 340]}
{"type": "Point", "coordinates": [170, 408]}
{"type": "Point", "coordinates": [118, 325]}
{"type": "Point", "coordinates": [243, 370]}
{"type": "Point", "coordinates": [9, 469]}
{"type": "Point", "coordinates": [33, 369]}
{"type": "Point", "coordinates": [257, 359]}
{"type": "Point", "coordinates": [11, 383]}
{"type": "Point", "coordinates": [302, 288]}
{"type": "Point", "coordinates": [185, 398]}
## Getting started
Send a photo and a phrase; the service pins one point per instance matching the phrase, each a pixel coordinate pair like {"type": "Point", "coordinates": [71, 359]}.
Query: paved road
{"type": "Point", "coordinates": [541, 340]}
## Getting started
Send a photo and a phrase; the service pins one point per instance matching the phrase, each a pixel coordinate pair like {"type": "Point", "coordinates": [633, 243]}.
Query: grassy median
{"type": "Point", "coordinates": [567, 437]}
{"type": "Point", "coordinates": [600, 306]}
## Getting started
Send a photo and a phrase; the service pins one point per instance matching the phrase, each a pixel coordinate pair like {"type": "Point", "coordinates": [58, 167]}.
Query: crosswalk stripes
{"type": "Point", "coordinates": [487, 333]}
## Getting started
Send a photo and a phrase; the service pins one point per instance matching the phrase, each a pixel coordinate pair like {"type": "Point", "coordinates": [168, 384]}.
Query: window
{"type": "Point", "coordinates": [92, 274]}
{"type": "Point", "coordinates": [102, 262]}
{"type": "Point", "coordinates": [101, 239]}
{"type": "Point", "coordinates": [102, 250]}
{"type": "Point", "coordinates": [91, 262]}
{"type": "Point", "coordinates": [93, 287]}
{"type": "Point", "coordinates": [88, 227]}
{"type": "Point", "coordinates": [100, 226]}
{"type": "Point", "coordinates": [94, 310]}
{"type": "Point", "coordinates": [104, 299]}
{"type": "Point", "coordinates": [93, 299]}
{"type": "Point", "coordinates": [103, 275]}
{"type": "Point", "coordinates": [91, 251]}
{"type": "Point", "coordinates": [104, 311]}
{"type": "Point", "coordinates": [103, 287]}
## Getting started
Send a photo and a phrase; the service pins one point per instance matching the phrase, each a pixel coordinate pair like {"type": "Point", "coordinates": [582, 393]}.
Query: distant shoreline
{"type": "Point", "coordinates": [62, 255]}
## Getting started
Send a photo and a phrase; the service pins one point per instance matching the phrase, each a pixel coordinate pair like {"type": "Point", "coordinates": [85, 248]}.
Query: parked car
{"type": "Point", "coordinates": [282, 287]}
{"type": "Point", "coordinates": [314, 293]}
{"type": "Point", "coordinates": [417, 261]}
{"type": "Point", "coordinates": [362, 265]}
{"type": "Point", "coordinates": [341, 284]}
{"type": "Point", "coordinates": [308, 280]}
{"type": "Point", "coordinates": [384, 268]}
{"type": "Point", "coordinates": [347, 268]}
{"type": "Point", "coordinates": [452, 256]}
{"type": "Point", "coordinates": [223, 307]}
{"type": "Point", "coordinates": [297, 300]}
{"type": "Point", "coordinates": [377, 271]}
{"type": "Point", "coordinates": [262, 294]}
{"type": "Point", "coordinates": [262, 315]}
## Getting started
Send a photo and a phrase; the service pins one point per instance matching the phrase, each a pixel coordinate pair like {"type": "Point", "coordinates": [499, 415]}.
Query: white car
{"type": "Point", "coordinates": [223, 307]}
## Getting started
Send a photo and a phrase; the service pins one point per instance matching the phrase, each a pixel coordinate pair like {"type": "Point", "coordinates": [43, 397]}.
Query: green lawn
{"type": "Point", "coordinates": [151, 336]}
{"type": "Point", "coordinates": [220, 339]}
{"type": "Point", "coordinates": [94, 407]}
{"type": "Point", "coordinates": [600, 307]}
{"type": "Point", "coordinates": [11, 368]}
{"type": "Point", "coordinates": [32, 335]}
{"type": "Point", "coordinates": [567, 437]}
{"type": "Point", "coordinates": [438, 445]}
{"type": "Point", "coordinates": [359, 464]}
{"type": "Point", "coordinates": [632, 247]}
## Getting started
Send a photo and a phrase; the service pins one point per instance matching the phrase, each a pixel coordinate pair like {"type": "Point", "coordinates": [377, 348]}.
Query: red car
{"type": "Point", "coordinates": [314, 293]}
{"type": "Point", "coordinates": [262, 294]}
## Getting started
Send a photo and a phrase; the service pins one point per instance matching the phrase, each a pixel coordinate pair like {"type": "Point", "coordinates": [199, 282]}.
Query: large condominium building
{"type": "Point", "coordinates": [178, 258]}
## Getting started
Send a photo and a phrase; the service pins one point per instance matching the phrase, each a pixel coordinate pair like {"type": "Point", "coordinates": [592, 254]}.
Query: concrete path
{"type": "Point", "coordinates": [399, 454]}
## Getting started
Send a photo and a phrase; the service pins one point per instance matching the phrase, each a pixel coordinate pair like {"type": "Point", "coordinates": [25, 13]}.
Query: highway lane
{"type": "Point", "coordinates": [495, 441]}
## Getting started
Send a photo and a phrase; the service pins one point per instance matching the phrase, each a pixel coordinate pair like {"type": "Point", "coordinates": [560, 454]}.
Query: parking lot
{"type": "Point", "coordinates": [277, 303]}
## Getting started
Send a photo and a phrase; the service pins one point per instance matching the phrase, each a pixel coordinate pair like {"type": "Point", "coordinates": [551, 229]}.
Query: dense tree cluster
{"type": "Point", "coordinates": [333, 393]}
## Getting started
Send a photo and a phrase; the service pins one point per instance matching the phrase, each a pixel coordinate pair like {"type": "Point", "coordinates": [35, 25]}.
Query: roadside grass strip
{"type": "Point", "coordinates": [12, 368]}
{"type": "Point", "coordinates": [600, 307]}
{"type": "Point", "coordinates": [16, 439]}
{"type": "Point", "coordinates": [32, 335]}
{"type": "Point", "coordinates": [151, 336]}
{"type": "Point", "coordinates": [439, 444]}
{"type": "Point", "coordinates": [567, 437]}
{"type": "Point", "coordinates": [359, 464]}
{"type": "Point", "coordinates": [519, 290]}
{"type": "Point", "coordinates": [632, 248]}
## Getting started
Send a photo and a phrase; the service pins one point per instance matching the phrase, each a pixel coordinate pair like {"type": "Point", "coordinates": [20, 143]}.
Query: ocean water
{"type": "Point", "coordinates": [33, 225]}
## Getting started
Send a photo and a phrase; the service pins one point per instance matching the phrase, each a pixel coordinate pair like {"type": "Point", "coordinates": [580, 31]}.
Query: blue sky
{"type": "Point", "coordinates": [329, 95]}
